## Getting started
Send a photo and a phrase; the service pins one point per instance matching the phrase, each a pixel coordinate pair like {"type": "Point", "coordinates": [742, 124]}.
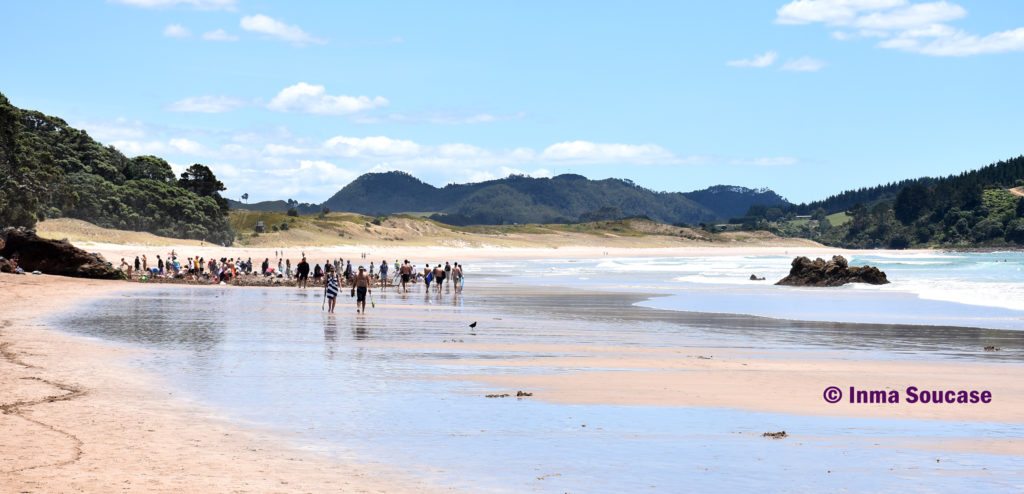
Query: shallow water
{"type": "Point", "coordinates": [361, 386]}
{"type": "Point", "coordinates": [942, 289]}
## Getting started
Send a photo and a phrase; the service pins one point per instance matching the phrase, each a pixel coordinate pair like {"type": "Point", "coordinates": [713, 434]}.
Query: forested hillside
{"type": "Point", "coordinates": [49, 169]}
{"type": "Point", "coordinates": [730, 201]}
{"type": "Point", "coordinates": [970, 209]}
{"type": "Point", "coordinates": [520, 199]}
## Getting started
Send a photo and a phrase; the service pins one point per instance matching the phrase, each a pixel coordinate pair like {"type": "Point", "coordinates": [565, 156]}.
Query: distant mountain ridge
{"type": "Point", "coordinates": [565, 198]}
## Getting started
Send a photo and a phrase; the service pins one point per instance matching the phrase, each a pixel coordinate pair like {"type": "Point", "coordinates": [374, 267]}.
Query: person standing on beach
{"type": "Point", "coordinates": [302, 271]}
{"type": "Point", "coordinates": [331, 288]}
{"type": "Point", "coordinates": [138, 264]}
{"type": "Point", "coordinates": [160, 264]}
{"type": "Point", "coordinates": [348, 271]}
{"type": "Point", "coordinates": [361, 285]}
{"type": "Point", "coordinates": [288, 268]}
{"type": "Point", "coordinates": [383, 274]}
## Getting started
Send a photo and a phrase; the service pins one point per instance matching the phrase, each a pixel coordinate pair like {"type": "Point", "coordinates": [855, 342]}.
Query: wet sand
{"type": "Point", "coordinates": [77, 417]}
{"type": "Point", "coordinates": [76, 405]}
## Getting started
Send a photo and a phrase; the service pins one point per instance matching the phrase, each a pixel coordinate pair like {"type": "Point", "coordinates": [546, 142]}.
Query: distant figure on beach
{"type": "Point", "coordinates": [265, 266]}
{"type": "Point", "coordinates": [406, 272]}
{"type": "Point", "coordinates": [348, 271]}
{"type": "Point", "coordinates": [361, 285]}
{"type": "Point", "coordinates": [317, 274]}
{"type": "Point", "coordinates": [383, 274]}
{"type": "Point", "coordinates": [331, 288]}
{"type": "Point", "coordinates": [160, 264]}
{"type": "Point", "coordinates": [302, 271]}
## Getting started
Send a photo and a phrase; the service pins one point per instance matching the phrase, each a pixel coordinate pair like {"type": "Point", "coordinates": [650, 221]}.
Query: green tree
{"type": "Point", "coordinates": [200, 180]}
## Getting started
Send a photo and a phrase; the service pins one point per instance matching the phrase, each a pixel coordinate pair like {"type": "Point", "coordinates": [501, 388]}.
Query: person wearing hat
{"type": "Point", "coordinates": [360, 287]}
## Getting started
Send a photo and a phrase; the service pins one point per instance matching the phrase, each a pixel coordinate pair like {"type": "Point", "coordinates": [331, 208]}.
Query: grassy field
{"type": "Point", "coordinates": [838, 218]}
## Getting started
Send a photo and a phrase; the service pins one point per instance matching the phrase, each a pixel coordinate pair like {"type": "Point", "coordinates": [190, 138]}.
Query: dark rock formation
{"type": "Point", "coordinates": [836, 272]}
{"type": "Point", "coordinates": [754, 277]}
{"type": "Point", "coordinates": [57, 257]}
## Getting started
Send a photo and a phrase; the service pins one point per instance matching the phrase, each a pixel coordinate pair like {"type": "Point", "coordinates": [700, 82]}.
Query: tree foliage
{"type": "Point", "coordinates": [49, 169]}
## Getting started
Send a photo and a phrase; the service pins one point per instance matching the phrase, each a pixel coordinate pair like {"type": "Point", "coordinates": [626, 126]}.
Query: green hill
{"type": "Point", "coordinates": [561, 199]}
{"type": "Point", "coordinates": [975, 208]}
{"type": "Point", "coordinates": [49, 169]}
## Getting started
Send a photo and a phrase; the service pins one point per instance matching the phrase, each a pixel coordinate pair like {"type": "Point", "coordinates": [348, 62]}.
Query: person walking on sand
{"type": "Point", "coordinates": [383, 274]}
{"type": "Point", "coordinates": [457, 276]}
{"type": "Point", "coordinates": [406, 272]}
{"type": "Point", "coordinates": [439, 276]}
{"type": "Point", "coordinates": [360, 287]}
{"type": "Point", "coordinates": [302, 272]}
{"type": "Point", "coordinates": [145, 263]}
{"type": "Point", "coordinates": [331, 289]}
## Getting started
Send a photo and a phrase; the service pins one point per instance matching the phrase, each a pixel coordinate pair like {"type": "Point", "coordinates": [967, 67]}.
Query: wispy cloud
{"type": "Point", "coordinates": [197, 4]}
{"type": "Point", "coordinates": [760, 61]}
{"type": "Point", "coordinates": [921, 27]}
{"type": "Point", "coordinates": [438, 118]}
{"type": "Point", "coordinates": [312, 98]}
{"type": "Point", "coordinates": [176, 31]}
{"type": "Point", "coordinates": [206, 104]}
{"type": "Point", "coordinates": [274, 28]}
{"type": "Point", "coordinates": [803, 64]}
{"type": "Point", "coordinates": [219, 35]}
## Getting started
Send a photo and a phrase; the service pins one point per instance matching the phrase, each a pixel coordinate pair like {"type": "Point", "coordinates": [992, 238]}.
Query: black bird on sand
{"type": "Point", "coordinates": [473, 325]}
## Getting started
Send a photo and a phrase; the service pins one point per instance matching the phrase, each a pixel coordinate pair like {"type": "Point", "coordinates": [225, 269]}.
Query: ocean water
{"type": "Point", "coordinates": [388, 390]}
{"type": "Point", "coordinates": [961, 289]}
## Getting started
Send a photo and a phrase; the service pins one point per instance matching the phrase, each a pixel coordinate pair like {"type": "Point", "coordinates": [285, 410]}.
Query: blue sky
{"type": "Point", "coordinates": [295, 99]}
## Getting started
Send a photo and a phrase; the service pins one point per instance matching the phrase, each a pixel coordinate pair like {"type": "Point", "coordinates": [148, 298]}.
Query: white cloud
{"type": "Point", "coordinates": [759, 61]}
{"type": "Point", "coordinates": [274, 28]}
{"type": "Point", "coordinates": [219, 35]}
{"type": "Point", "coordinates": [957, 43]}
{"type": "Point", "coordinates": [592, 152]}
{"type": "Point", "coordinates": [119, 130]}
{"type": "Point", "coordinates": [206, 104]}
{"type": "Point", "coordinates": [311, 98]}
{"type": "Point", "coordinates": [438, 118]}
{"type": "Point", "coordinates": [138, 148]}
{"type": "Point", "coordinates": [916, 15]}
{"type": "Point", "coordinates": [176, 31]}
{"type": "Point", "coordinates": [376, 146]}
{"type": "Point", "coordinates": [912, 27]}
{"type": "Point", "coordinates": [187, 146]}
{"type": "Point", "coordinates": [198, 4]}
{"type": "Point", "coordinates": [803, 64]}
{"type": "Point", "coordinates": [838, 12]}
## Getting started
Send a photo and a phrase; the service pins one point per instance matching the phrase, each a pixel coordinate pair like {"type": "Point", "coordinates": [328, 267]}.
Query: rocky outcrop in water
{"type": "Point", "coordinates": [57, 257]}
{"type": "Point", "coordinates": [836, 272]}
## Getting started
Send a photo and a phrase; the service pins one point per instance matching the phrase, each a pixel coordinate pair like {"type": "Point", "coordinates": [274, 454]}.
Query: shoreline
{"type": "Point", "coordinates": [66, 386]}
{"type": "Point", "coordinates": [72, 408]}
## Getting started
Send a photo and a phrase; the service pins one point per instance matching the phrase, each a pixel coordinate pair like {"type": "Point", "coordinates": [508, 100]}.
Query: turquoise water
{"type": "Point", "coordinates": [386, 389]}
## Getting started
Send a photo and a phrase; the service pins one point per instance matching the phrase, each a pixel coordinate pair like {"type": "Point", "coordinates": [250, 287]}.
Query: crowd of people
{"type": "Point", "coordinates": [332, 275]}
